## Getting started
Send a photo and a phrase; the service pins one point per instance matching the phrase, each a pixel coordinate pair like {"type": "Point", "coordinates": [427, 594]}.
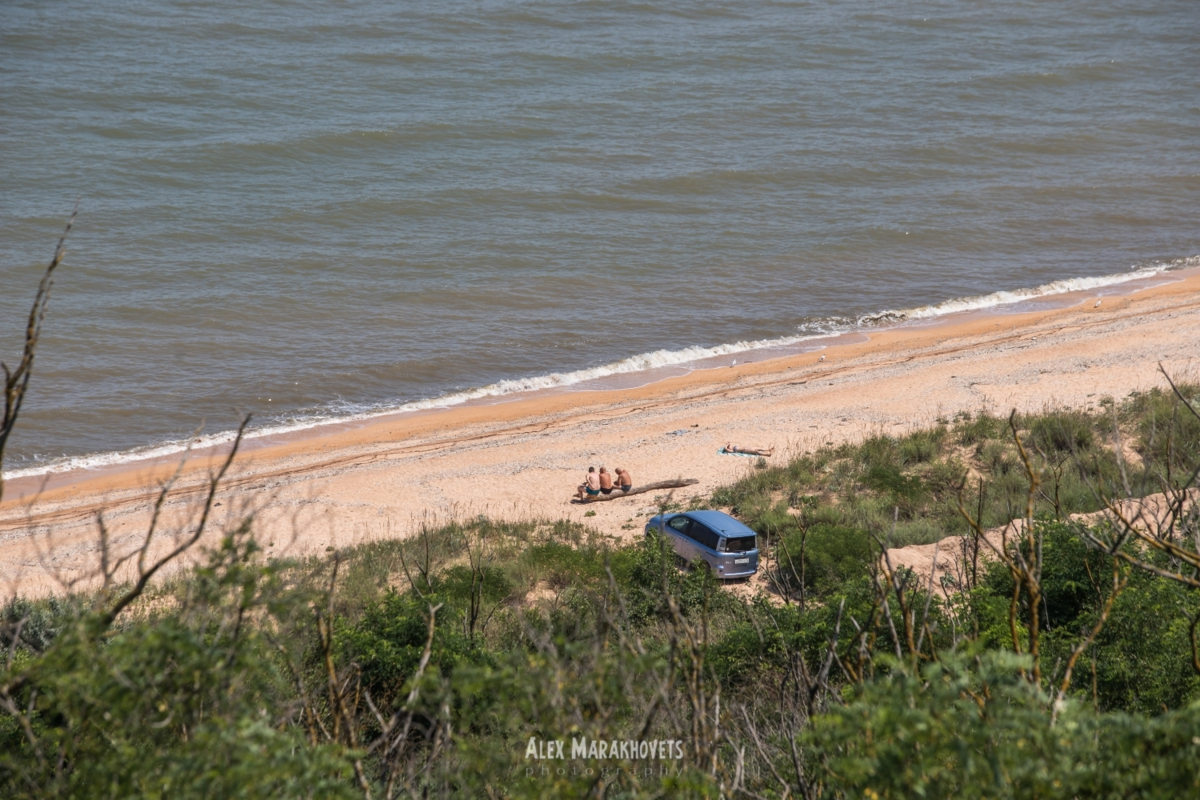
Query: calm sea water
{"type": "Point", "coordinates": [308, 209]}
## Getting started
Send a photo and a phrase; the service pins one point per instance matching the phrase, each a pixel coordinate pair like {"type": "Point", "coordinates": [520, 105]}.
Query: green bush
{"type": "Point", "coordinates": [561, 564]}
{"type": "Point", "coordinates": [905, 492]}
{"type": "Point", "coordinates": [387, 642]}
{"type": "Point", "coordinates": [1143, 653]}
{"type": "Point", "coordinates": [1168, 433]}
{"type": "Point", "coordinates": [458, 583]}
{"type": "Point", "coordinates": [983, 428]}
{"type": "Point", "coordinates": [963, 729]}
{"type": "Point", "coordinates": [826, 556]}
{"type": "Point", "coordinates": [39, 622]}
{"type": "Point", "coordinates": [1061, 432]}
{"type": "Point", "coordinates": [187, 703]}
{"type": "Point", "coordinates": [922, 446]}
{"type": "Point", "coordinates": [944, 477]}
{"type": "Point", "coordinates": [746, 653]}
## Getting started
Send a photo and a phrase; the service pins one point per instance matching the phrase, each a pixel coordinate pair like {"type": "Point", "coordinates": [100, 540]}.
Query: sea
{"type": "Point", "coordinates": [321, 211]}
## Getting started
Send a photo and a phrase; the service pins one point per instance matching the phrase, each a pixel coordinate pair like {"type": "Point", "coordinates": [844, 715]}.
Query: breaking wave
{"type": "Point", "coordinates": [995, 299]}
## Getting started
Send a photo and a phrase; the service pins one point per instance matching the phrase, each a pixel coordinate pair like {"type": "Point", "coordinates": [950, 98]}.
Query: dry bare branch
{"type": "Point", "coordinates": [16, 381]}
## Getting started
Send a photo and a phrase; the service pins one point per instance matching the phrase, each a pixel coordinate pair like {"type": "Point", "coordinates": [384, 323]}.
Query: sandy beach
{"type": "Point", "coordinates": [522, 459]}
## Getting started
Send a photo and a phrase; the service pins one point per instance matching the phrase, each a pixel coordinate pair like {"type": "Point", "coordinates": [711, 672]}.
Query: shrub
{"type": "Point", "coordinates": [1168, 433]}
{"type": "Point", "coordinates": [40, 621]}
{"type": "Point", "coordinates": [388, 641]}
{"type": "Point", "coordinates": [943, 478]}
{"type": "Point", "coordinates": [827, 556]}
{"type": "Point", "coordinates": [933, 734]}
{"type": "Point", "coordinates": [745, 652]}
{"type": "Point", "coordinates": [1061, 432]}
{"type": "Point", "coordinates": [877, 451]}
{"type": "Point", "coordinates": [561, 564]}
{"type": "Point", "coordinates": [886, 478]}
{"type": "Point", "coordinates": [981, 429]}
{"type": "Point", "coordinates": [922, 446]}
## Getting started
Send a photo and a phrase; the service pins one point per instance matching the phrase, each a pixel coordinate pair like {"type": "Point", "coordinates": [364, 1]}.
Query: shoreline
{"type": "Point", "coordinates": [522, 458]}
{"type": "Point", "coordinates": [51, 479]}
{"type": "Point", "coordinates": [629, 373]}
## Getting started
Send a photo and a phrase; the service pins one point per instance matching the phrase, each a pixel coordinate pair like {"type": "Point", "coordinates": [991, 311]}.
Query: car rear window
{"type": "Point", "coordinates": [742, 544]}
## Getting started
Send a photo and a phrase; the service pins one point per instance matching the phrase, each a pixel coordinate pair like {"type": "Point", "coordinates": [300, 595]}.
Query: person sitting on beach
{"type": "Point", "coordinates": [750, 451]}
{"type": "Point", "coordinates": [606, 482]}
{"type": "Point", "coordinates": [624, 481]}
{"type": "Point", "coordinates": [590, 485]}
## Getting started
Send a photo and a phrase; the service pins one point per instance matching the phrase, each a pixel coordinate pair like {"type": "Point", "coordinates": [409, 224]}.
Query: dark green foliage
{"type": "Point", "coordinates": [249, 759]}
{"type": "Point", "coordinates": [961, 730]}
{"type": "Point", "coordinates": [186, 704]}
{"type": "Point", "coordinates": [645, 569]}
{"type": "Point", "coordinates": [1075, 579]}
{"type": "Point", "coordinates": [647, 574]}
{"type": "Point", "coordinates": [906, 493]}
{"type": "Point", "coordinates": [746, 652]}
{"type": "Point", "coordinates": [827, 556]}
{"type": "Point", "coordinates": [388, 641]}
{"type": "Point", "coordinates": [886, 478]}
{"type": "Point", "coordinates": [459, 582]}
{"type": "Point", "coordinates": [1141, 654]}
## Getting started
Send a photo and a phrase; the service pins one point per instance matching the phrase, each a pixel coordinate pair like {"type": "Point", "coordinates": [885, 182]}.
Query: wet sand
{"type": "Point", "coordinates": [522, 459]}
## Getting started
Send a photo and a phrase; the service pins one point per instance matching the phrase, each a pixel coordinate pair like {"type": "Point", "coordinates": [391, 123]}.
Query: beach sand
{"type": "Point", "coordinates": [522, 459]}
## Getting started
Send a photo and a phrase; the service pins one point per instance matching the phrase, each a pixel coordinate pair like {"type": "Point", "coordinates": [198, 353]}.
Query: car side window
{"type": "Point", "coordinates": [680, 524]}
{"type": "Point", "coordinates": [704, 536]}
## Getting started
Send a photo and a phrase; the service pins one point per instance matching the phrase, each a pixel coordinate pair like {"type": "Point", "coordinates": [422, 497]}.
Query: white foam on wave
{"type": "Point", "coordinates": [638, 363]}
{"type": "Point", "coordinates": [977, 303]}
{"type": "Point", "coordinates": [356, 413]}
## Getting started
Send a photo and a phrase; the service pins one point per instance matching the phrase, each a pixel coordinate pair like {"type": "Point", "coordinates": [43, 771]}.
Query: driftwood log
{"type": "Point", "coordinates": [617, 494]}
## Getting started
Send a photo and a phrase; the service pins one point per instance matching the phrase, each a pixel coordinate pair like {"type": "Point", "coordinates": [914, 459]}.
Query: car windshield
{"type": "Point", "coordinates": [742, 544]}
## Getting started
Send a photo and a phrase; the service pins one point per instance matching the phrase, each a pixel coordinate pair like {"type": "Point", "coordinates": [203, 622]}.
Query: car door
{"type": "Point", "coordinates": [704, 541]}
{"type": "Point", "coordinates": [677, 527]}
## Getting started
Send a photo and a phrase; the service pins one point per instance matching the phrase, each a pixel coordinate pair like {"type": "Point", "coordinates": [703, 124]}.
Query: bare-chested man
{"type": "Point", "coordinates": [624, 480]}
{"type": "Point", "coordinates": [590, 485]}
{"type": "Point", "coordinates": [606, 481]}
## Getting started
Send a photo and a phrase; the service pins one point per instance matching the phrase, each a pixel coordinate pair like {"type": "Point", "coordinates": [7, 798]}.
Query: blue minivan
{"type": "Point", "coordinates": [726, 545]}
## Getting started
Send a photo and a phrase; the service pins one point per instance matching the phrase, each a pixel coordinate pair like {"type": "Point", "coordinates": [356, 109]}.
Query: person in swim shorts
{"type": "Point", "coordinates": [606, 481]}
{"type": "Point", "coordinates": [590, 485]}
{"type": "Point", "coordinates": [624, 481]}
